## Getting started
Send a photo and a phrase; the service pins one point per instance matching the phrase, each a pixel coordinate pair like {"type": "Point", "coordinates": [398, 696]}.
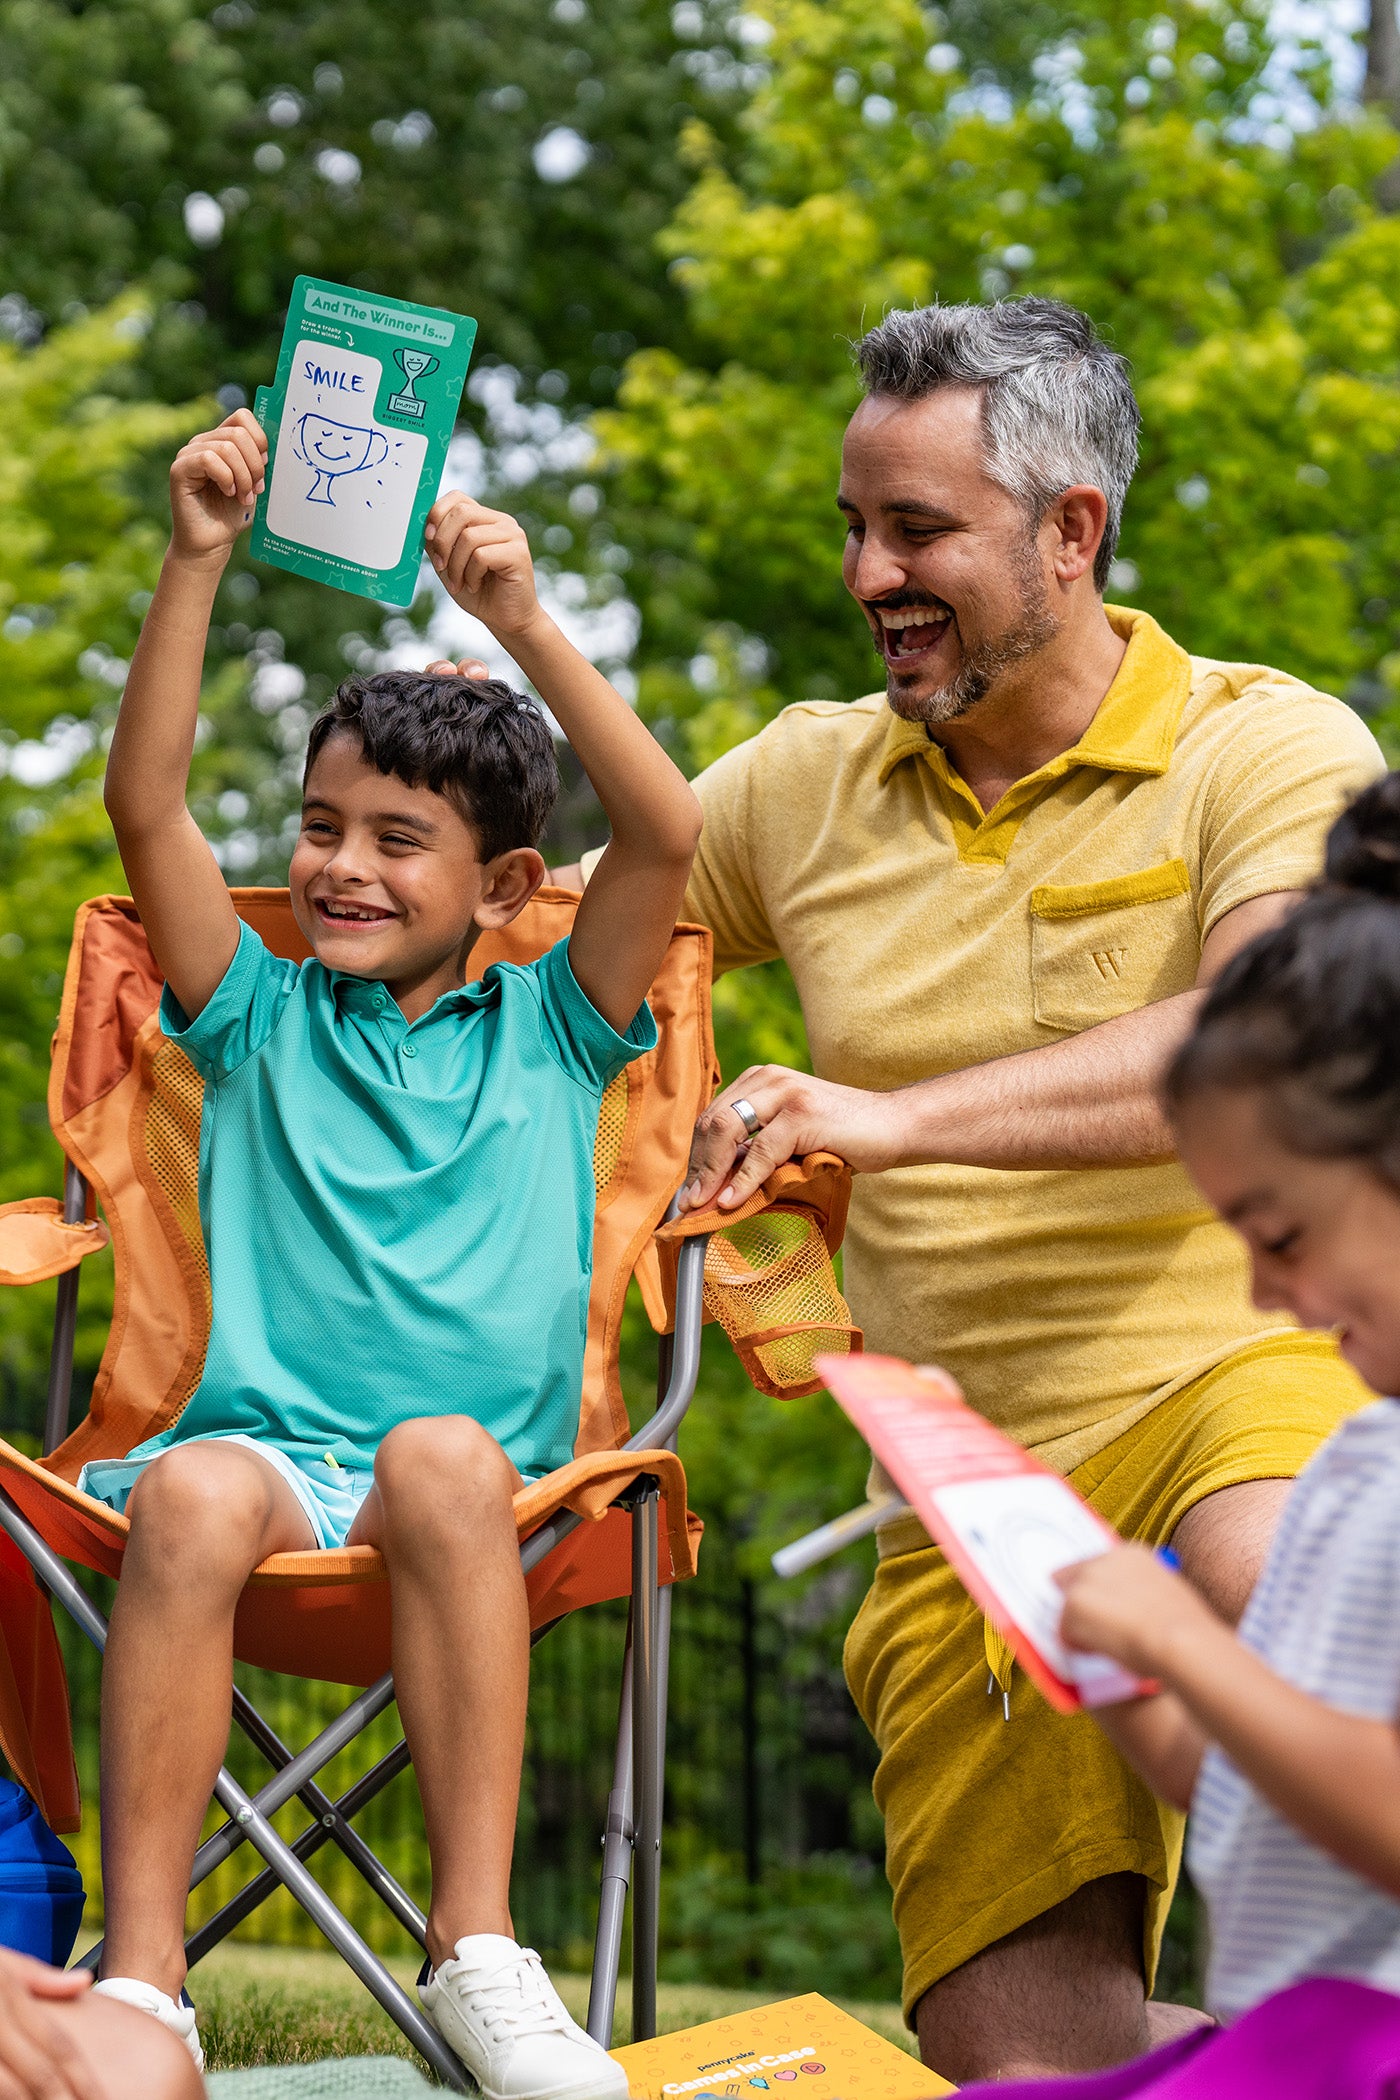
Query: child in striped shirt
{"type": "Point", "coordinates": [1283, 1739]}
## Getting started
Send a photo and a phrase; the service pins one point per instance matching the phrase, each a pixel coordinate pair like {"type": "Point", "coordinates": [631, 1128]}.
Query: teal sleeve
{"type": "Point", "coordinates": [577, 1036]}
{"type": "Point", "coordinates": [242, 1013]}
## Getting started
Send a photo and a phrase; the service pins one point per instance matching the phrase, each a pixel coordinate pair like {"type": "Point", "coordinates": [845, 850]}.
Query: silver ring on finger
{"type": "Point", "coordinates": [748, 1116]}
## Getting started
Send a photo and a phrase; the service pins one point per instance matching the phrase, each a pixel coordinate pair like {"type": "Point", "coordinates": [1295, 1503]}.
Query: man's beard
{"type": "Point", "coordinates": [1030, 631]}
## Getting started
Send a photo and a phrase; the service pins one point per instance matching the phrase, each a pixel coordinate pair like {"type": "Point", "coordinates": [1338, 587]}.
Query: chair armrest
{"type": "Point", "coordinates": [36, 1244]}
{"type": "Point", "coordinates": [820, 1183]}
{"type": "Point", "coordinates": [769, 1279]}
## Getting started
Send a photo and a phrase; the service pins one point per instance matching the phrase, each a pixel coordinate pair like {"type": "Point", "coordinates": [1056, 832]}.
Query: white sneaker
{"type": "Point", "coordinates": [497, 2008]}
{"type": "Point", "coordinates": [176, 2014]}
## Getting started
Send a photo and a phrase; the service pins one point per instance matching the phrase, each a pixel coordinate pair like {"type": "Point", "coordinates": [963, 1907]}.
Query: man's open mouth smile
{"type": "Point", "coordinates": [340, 913]}
{"type": "Point", "coordinates": [904, 633]}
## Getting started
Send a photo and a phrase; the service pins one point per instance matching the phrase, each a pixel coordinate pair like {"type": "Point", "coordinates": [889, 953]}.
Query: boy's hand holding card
{"type": "Point", "coordinates": [214, 482]}
{"type": "Point", "coordinates": [483, 559]}
{"type": "Point", "coordinates": [1006, 1523]}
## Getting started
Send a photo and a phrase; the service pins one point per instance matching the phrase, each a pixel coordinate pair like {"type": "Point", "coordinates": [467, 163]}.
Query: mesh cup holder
{"type": "Point", "coordinates": [770, 1284]}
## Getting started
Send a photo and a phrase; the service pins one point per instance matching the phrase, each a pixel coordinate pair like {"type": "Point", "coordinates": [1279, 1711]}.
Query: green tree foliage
{"type": "Point", "coordinates": [515, 159]}
{"type": "Point", "coordinates": [397, 147]}
{"type": "Point", "coordinates": [1140, 172]}
{"type": "Point", "coordinates": [78, 557]}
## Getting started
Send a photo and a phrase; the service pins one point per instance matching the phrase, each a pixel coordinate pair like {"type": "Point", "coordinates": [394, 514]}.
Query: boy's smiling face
{"type": "Point", "coordinates": [386, 881]}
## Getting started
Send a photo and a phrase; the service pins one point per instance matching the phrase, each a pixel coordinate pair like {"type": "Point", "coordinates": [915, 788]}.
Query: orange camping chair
{"type": "Point", "coordinates": [125, 1104]}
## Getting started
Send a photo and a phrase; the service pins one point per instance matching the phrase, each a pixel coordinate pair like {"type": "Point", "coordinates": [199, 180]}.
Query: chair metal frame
{"type": "Point", "coordinates": [632, 1834]}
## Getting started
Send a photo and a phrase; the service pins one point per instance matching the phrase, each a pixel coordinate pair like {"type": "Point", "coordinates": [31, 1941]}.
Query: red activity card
{"type": "Point", "coordinates": [1005, 1521]}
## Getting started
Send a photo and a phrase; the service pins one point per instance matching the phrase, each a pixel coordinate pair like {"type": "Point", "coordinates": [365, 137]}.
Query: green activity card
{"type": "Point", "coordinates": [358, 422]}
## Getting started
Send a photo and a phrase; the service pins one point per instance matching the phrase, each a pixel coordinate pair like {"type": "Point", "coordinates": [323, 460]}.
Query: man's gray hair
{"type": "Point", "coordinates": [1057, 403]}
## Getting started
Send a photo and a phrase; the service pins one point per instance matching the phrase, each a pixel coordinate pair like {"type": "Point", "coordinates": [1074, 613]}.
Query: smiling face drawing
{"type": "Point", "coordinates": [342, 484]}
{"type": "Point", "coordinates": [331, 449]}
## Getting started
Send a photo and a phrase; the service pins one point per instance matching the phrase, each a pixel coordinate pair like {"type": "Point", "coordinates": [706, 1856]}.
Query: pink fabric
{"type": "Point", "coordinates": [1321, 2040]}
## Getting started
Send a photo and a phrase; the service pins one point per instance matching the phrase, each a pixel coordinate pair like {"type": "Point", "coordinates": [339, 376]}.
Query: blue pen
{"type": "Point", "coordinates": [1168, 1558]}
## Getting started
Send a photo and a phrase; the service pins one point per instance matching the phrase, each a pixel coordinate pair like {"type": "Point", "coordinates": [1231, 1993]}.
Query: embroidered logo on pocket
{"type": "Point", "coordinates": [1105, 948]}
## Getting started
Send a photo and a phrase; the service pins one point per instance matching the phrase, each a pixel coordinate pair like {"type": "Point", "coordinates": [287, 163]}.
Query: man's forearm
{"type": "Point", "coordinates": [1090, 1101]}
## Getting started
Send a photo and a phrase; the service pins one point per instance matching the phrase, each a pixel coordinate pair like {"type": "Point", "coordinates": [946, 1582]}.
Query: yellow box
{"type": "Point", "coordinates": [799, 2049]}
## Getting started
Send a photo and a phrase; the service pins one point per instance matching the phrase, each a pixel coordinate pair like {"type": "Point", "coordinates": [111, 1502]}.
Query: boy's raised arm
{"type": "Point", "coordinates": [177, 884]}
{"type": "Point", "coordinates": [629, 908]}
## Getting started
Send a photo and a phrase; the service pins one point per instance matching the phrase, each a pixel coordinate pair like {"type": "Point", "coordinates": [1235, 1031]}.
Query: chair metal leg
{"type": "Point", "coordinates": [292, 1779]}
{"type": "Point", "coordinates": [65, 1323]}
{"type": "Point", "coordinates": [617, 1870]}
{"type": "Point", "coordinates": [678, 1369]}
{"type": "Point", "coordinates": [646, 1776]}
{"type": "Point", "coordinates": [238, 1805]}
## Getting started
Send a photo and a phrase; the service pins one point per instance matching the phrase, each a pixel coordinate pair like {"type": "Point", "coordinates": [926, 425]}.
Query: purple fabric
{"type": "Point", "coordinates": [1321, 2040]}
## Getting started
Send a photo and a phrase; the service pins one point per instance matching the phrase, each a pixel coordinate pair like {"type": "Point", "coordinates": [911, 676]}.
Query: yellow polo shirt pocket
{"type": "Point", "coordinates": [1105, 948]}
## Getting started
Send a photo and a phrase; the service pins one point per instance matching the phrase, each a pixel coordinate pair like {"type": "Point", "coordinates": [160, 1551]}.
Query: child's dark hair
{"type": "Point", "coordinates": [486, 748]}
{"type": "Point", "coordinates": [1309, 1013]}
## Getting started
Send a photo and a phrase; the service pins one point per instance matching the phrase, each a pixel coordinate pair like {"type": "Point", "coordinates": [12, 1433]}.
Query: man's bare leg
{"type": "Point", "coordinates": [1065, 1993]}
{"type": "Point", "coordinates": [202, 1517]}
{"type": "Point", "coordinates": [440, 1513]}
{"type": "Point", "coordinates": [1223, 1542]}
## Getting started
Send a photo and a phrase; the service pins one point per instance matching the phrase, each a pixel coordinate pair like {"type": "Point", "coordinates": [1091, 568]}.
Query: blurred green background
{"type": "Point", "coordinates": [669, 221]}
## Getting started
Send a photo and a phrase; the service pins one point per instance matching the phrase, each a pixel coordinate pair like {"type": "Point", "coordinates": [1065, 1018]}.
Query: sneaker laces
{"type": "Point", "coordinates": [517, 1999]}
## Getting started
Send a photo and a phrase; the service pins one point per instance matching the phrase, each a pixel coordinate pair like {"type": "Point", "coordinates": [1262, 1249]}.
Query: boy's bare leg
{"type": "Point", "coordinates": [202, 1517]}
{"type": "Point", "coordinates": [440, 1513]}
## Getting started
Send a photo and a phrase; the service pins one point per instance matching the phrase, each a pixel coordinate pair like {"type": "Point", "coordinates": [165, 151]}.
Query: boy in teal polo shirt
{"type": "Point", "coordinates": [396, 1191]}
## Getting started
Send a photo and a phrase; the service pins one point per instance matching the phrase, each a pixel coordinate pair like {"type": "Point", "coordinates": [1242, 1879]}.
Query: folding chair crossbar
{"type": "Point", "coordinates": [326, 1829]}
{"type": "Point", "coordinates": [293, 1777]}
{"type": "Point", "coordinates": [330, 1819]}
{"type": "Point", "coordinates": [632, 1838]}
{"type": "Point", "coordinates": [293, 1773]}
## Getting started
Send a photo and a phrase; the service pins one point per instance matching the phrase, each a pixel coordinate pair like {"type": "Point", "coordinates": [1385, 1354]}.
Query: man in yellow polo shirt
{"type": "Point", "coordinates": [998, 886]}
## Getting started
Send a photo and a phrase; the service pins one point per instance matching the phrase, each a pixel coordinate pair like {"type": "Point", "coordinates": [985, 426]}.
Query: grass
{"type": "Point", "coordinates": [298, 2005]}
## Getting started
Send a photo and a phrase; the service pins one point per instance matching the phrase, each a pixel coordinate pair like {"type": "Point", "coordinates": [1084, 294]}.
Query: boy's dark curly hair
{"type": "Point", "coordinates": [485, 747]}
{"type": "Point", "coordinates": [1309, 1013]}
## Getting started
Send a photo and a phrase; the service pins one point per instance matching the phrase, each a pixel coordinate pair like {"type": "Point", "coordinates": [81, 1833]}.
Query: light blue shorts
{"type": "Point", "coordinates": [330, 1495]}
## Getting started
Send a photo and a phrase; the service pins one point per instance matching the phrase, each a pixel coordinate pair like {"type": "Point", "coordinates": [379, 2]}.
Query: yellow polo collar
{"type": "Point", "coordinates": [1134, 730]}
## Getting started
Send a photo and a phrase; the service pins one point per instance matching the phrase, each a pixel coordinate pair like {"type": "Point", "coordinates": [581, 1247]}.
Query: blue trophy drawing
{"type": "Point", "coordinates": [332, 449]}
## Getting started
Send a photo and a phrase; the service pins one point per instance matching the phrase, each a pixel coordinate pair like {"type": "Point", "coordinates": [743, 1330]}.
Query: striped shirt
{"type": "Point", "coordinates": [1326, 1617]}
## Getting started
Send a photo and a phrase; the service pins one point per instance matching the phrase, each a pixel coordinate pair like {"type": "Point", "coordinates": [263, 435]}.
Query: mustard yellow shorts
{"type": "Point", "coordinates": [988, 1824]}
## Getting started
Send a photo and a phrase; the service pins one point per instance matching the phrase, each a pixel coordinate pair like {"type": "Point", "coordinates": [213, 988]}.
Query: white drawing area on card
{"type": "Point", "coordinates": [342, 482]}
{"type": "Point", "coordinates": [1017, 1531]}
